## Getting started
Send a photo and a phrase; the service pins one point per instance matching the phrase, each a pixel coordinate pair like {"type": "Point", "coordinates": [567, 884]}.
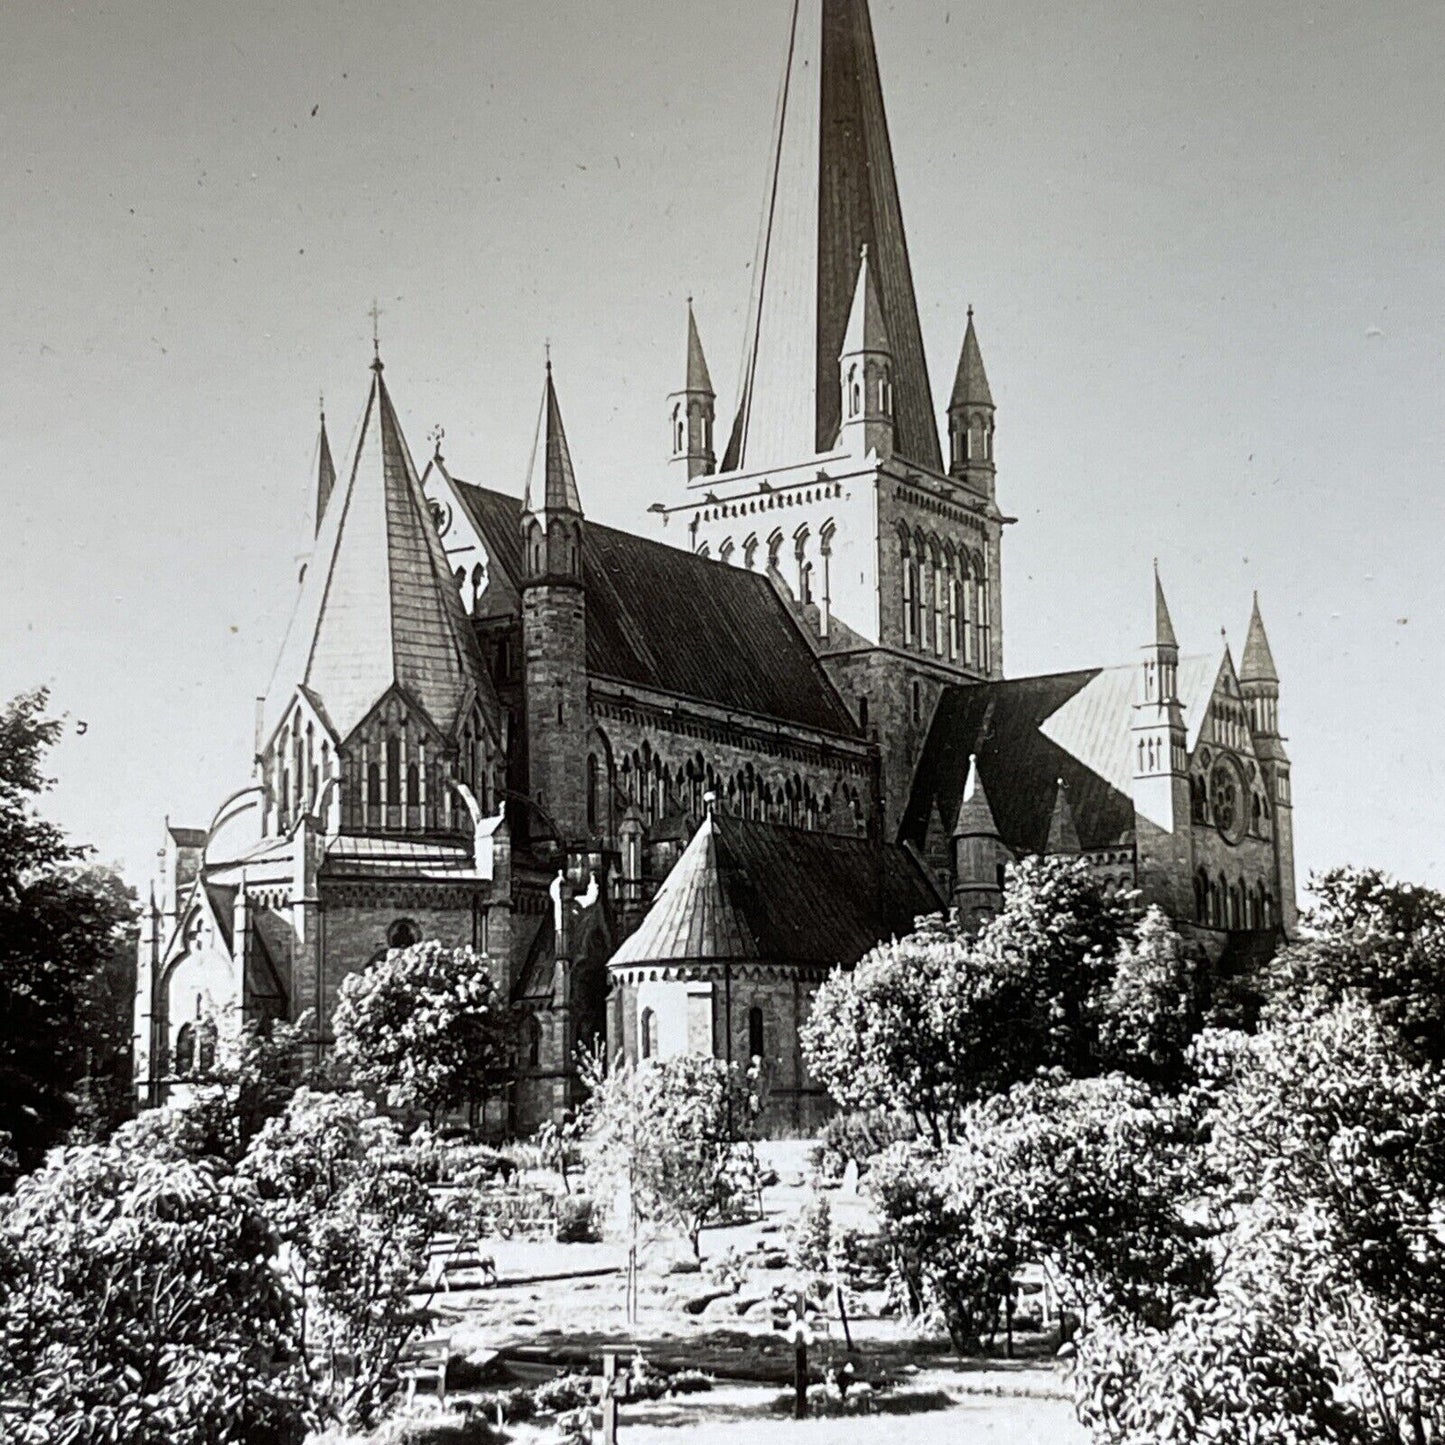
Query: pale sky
{"type": "Point", "coordinates": [1206, 244]}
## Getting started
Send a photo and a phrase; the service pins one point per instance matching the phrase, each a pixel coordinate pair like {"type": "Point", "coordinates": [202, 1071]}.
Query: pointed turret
{"type": "Point", "coordinates": [378, 606]}
{"type": "Point", "coordinates": [865, 372]}
{"type": "Point", "coordinates": [693, 410]}
{"type": "Point", "coordinates": [1259, 684]}
{"type": "Point", "coordinates": [971, 416]}
{"type": "Point", "coordinates": [977, 855]}
{"type": "Point", "coordinates": [1163, 624]}
{"type": "Point", "coordinates": [1163, 840]}
{"type": "Point", "coordinates": [831, 190]}
{"type": "Point", "coordinates": [325, 473]}
{"type": "Point", "coordinates": [1257, 665]}
{"type": "Point", "coordinates": [551, 483]}
{"type": "Point", "coordinates": [554, 631]}
{"type": "Point", "coordinates": [1063, 831]}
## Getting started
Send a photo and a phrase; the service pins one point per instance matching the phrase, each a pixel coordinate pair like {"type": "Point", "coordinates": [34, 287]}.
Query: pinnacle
{"type": "Point", "coordinates": [975, 814]}
{"type": "Point", "coordinates": [698, 378]}
{"type": "Point", "coordinates": [1163, 623]}
{"type": "Point", "coordinates": [867, 330]}
{"type": "Point", "coordinates": [1257, 663]}
{"type": "Point", "coordinates": [551, 482]}
{"type": "Point", "coordinates": [970, 383]}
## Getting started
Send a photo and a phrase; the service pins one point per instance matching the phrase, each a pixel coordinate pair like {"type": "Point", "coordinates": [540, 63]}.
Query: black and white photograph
{"type": "Point", "coordinates": [716, 722]}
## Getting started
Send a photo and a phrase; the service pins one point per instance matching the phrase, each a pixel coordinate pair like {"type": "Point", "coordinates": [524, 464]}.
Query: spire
{"type": "Point", "coordinates": [1063, 831]}
{"type": "Point", "coordinates": [551, 482]}
{"type": "Point", "coordinates": [325, 472]}
{"type": "Point", "coordinates": [1257, 663]}
{"type": "Point", "coordinates": [698, 378]}
{"type": "Point", "coordinates": [975, 814]}
{"type": "Point", "coordinates": [1163, 624]}
{"type": "Point", "coordinates": [970, 383]}
{"type": "Point", "coordinates": [378, 606]}
{"type": "Point", "coordinates": [831, 189]}
{"type": "Point", "coordinates": [867, 332]}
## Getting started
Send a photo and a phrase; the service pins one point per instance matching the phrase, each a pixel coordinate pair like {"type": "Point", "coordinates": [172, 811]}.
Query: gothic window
{"type": "Point", "coordinates": [648, 1034]}
{"type": "Point", "coordinates": [917, 703]}
{"type": "Point", "coordinates": [185, 1058]}
{"type": "Point", "coordinates": [940, 604]}
{"type": "Point", "coordinates": [863, 714]}
{"type": "Point", "coordinates": [413, 786]}
{"type": "Point", "coordinates": [756, 1040]}
{"type": "Point", "coordinates": [855, 395]}
{"type": "Point", "coordinates": [532, 1036]}
{"type": "Point", "coordinates": [910, 586]}
{"type": "Point", "coordinates": [679, 431]}
{"type": "Point", "coordinates": [205, 1046]}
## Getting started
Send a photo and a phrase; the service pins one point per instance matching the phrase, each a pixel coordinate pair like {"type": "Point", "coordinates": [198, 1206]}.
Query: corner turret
{"type": "Point", "coordinates": [865, 373]}
{"type": "Point", "coordinates": [977, 855]}
{"type": "Point", "coordinates": [971, 415]}
{"type": "Point", "coordinates": [693, 410]}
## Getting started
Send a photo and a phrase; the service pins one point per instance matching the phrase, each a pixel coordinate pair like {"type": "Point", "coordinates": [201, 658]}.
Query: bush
{"type": "Point", "coordinates": [862, 1135]}
{"type": "Point", "coordinates": [566, 1392]}
{"type": "Point", "coordinates": [689, 1382]}
{"type": "Point", "coordinates": [578, 1220]}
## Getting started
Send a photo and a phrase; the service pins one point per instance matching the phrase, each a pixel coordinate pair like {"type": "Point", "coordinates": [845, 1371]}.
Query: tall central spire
{"type": "Point", "coordinates": [831, 191]}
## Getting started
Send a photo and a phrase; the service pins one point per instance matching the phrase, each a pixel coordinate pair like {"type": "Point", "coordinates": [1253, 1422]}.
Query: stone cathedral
{"type": "Point", "coordinates": [665, 784]}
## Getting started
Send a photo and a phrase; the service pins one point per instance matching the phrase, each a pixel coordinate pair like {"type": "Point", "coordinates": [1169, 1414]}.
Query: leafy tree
{"type": "Point", "coordinates": [1085, 1177]}
{"type": "Point", "coordinates": [426, 1027]}
{"type": "Point", "coordinates": [1327, 1139]}
{"type": "Point", "coordinates": [1063, 978]}
{"type": "Point", "coordinates": [1371, 938]}
{"type": "Point", "coordinates": [922, 1024]}
{"type": "Point", "coordinates": [674, 1138]}
{"type": "Point", "coordinates": [63, 930]}
{"type": "Point", "coordinates": [355, 1223]}
{"type": "Point", "coordinates": [138, 1303]}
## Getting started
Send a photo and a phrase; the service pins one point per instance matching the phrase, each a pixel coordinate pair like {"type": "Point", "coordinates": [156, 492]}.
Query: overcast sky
{"type": "Point", "coordinates": [1206, 244]}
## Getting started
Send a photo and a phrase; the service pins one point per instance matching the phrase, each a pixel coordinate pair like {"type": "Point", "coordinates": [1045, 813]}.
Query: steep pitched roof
{"type": "Point", "coordinates": [831, 189]}
{"type": "Point", "coordinates": [1163, 623]}
{"type": "Point", "coordinates": [782, 895]}
{"type": "Point", "coordinates": [378, 607]}
{"type": "Point", "coordinates": [975, 813]}
{"type": "Point", "coordinates": [734, 644]}
{"type": "Point", "coordinates": [1032, 733]}
{"type": "Point", "coordinates": [551, 482]}
{"type": "Point", "coordinates": [695, 917]}
{"type": "Point", "coordinates": [1257, 662]}
{"type": "Point", "coordinates": [867, 331]}
{"type": "Point", "coordinates": [1063, 832]}
{"type": "Point", "coordinates": [698, 376]}
{"type": "Point", "coordinates": [970, 381]}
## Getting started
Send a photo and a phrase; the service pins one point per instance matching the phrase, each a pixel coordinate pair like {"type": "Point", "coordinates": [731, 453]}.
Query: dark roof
{"type": "Point", "coordinates": [1019, 764]}
{"type": "Point", "coordinates": [667, 620]}
{"type": "Point", "coordinates": [223, 905]}
{"type": "Point", "coordinates": [787, 896]}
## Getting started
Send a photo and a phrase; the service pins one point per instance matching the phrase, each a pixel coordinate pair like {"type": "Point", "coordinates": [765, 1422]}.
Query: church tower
{"type": "Point", "coordinates": [971, 418]}
{"type": "Point", "coordinates": [865, 374]}
{"type": "Point", "coordinates": [1161, 772]}
{"type": "Point", "coordinates": [693, 411]}
{"type": "Point", "coordinates": [977, 855]}
{"type": "Point", "coordinates": [1259, 683]}
{"type": "Point", "coordinates": [554, 630]}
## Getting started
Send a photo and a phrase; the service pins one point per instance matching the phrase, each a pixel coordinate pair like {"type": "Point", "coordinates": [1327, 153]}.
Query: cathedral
{"type": "Point", "coordinates": [665, 784]}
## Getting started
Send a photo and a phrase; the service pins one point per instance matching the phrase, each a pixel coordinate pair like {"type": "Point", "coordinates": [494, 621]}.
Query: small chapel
{"type": "Point", "coordinates": [664, 784]}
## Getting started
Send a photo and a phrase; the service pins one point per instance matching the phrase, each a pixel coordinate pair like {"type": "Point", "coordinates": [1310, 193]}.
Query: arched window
{"type": "Point", "coordinates": [186, 1051]}
{"type": "Point", "coordinates": [863, 714]}
{"type": "Point", "coordinates": [373, 794]}
{"type": "Point", "coordinates": [205, 1046]}
{"type": "Point", "coordinates": [855, 394]}
{"type": "Point", "coordinates": [403, 934]}
{"type": "Point", "coordinates": [917, 703]}
{"type": "Point", "coordinates": [940, 605]}
{"type": "Point", "coordinates": [532, 1041]}
{"type": "Point", "coordinates": [647, 1034]}
{"type": "Point", "coordinates": [756, 1040]}
{"type": "Point", "coordinates": [679, 431]}
{"type": "Point", "coordinates": [594, 811]}
{"type": "Point", "coordinates": [910, 585]}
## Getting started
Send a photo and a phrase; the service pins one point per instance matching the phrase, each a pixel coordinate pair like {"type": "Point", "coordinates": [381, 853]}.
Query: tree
{"type": "Point", "coordinates": [355, 1223]}
{"type": "Point", "coordinates": [1327, 1142]}
{"type": "Point", "coordinates": [138, 1303]}
{"type": "Point", "coordinates": [62, 927]}
{"type": "Point", "coordinates": [426, 1027]}
{"type": "Point", "coordinates": [673, 1137]}
{"type": "Point", "coordinates": [1063, 978]}
{"type": "Point", "coordinates": [1086, 1177]}
{"type": "Point", "coordinates": [1371, 938]}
